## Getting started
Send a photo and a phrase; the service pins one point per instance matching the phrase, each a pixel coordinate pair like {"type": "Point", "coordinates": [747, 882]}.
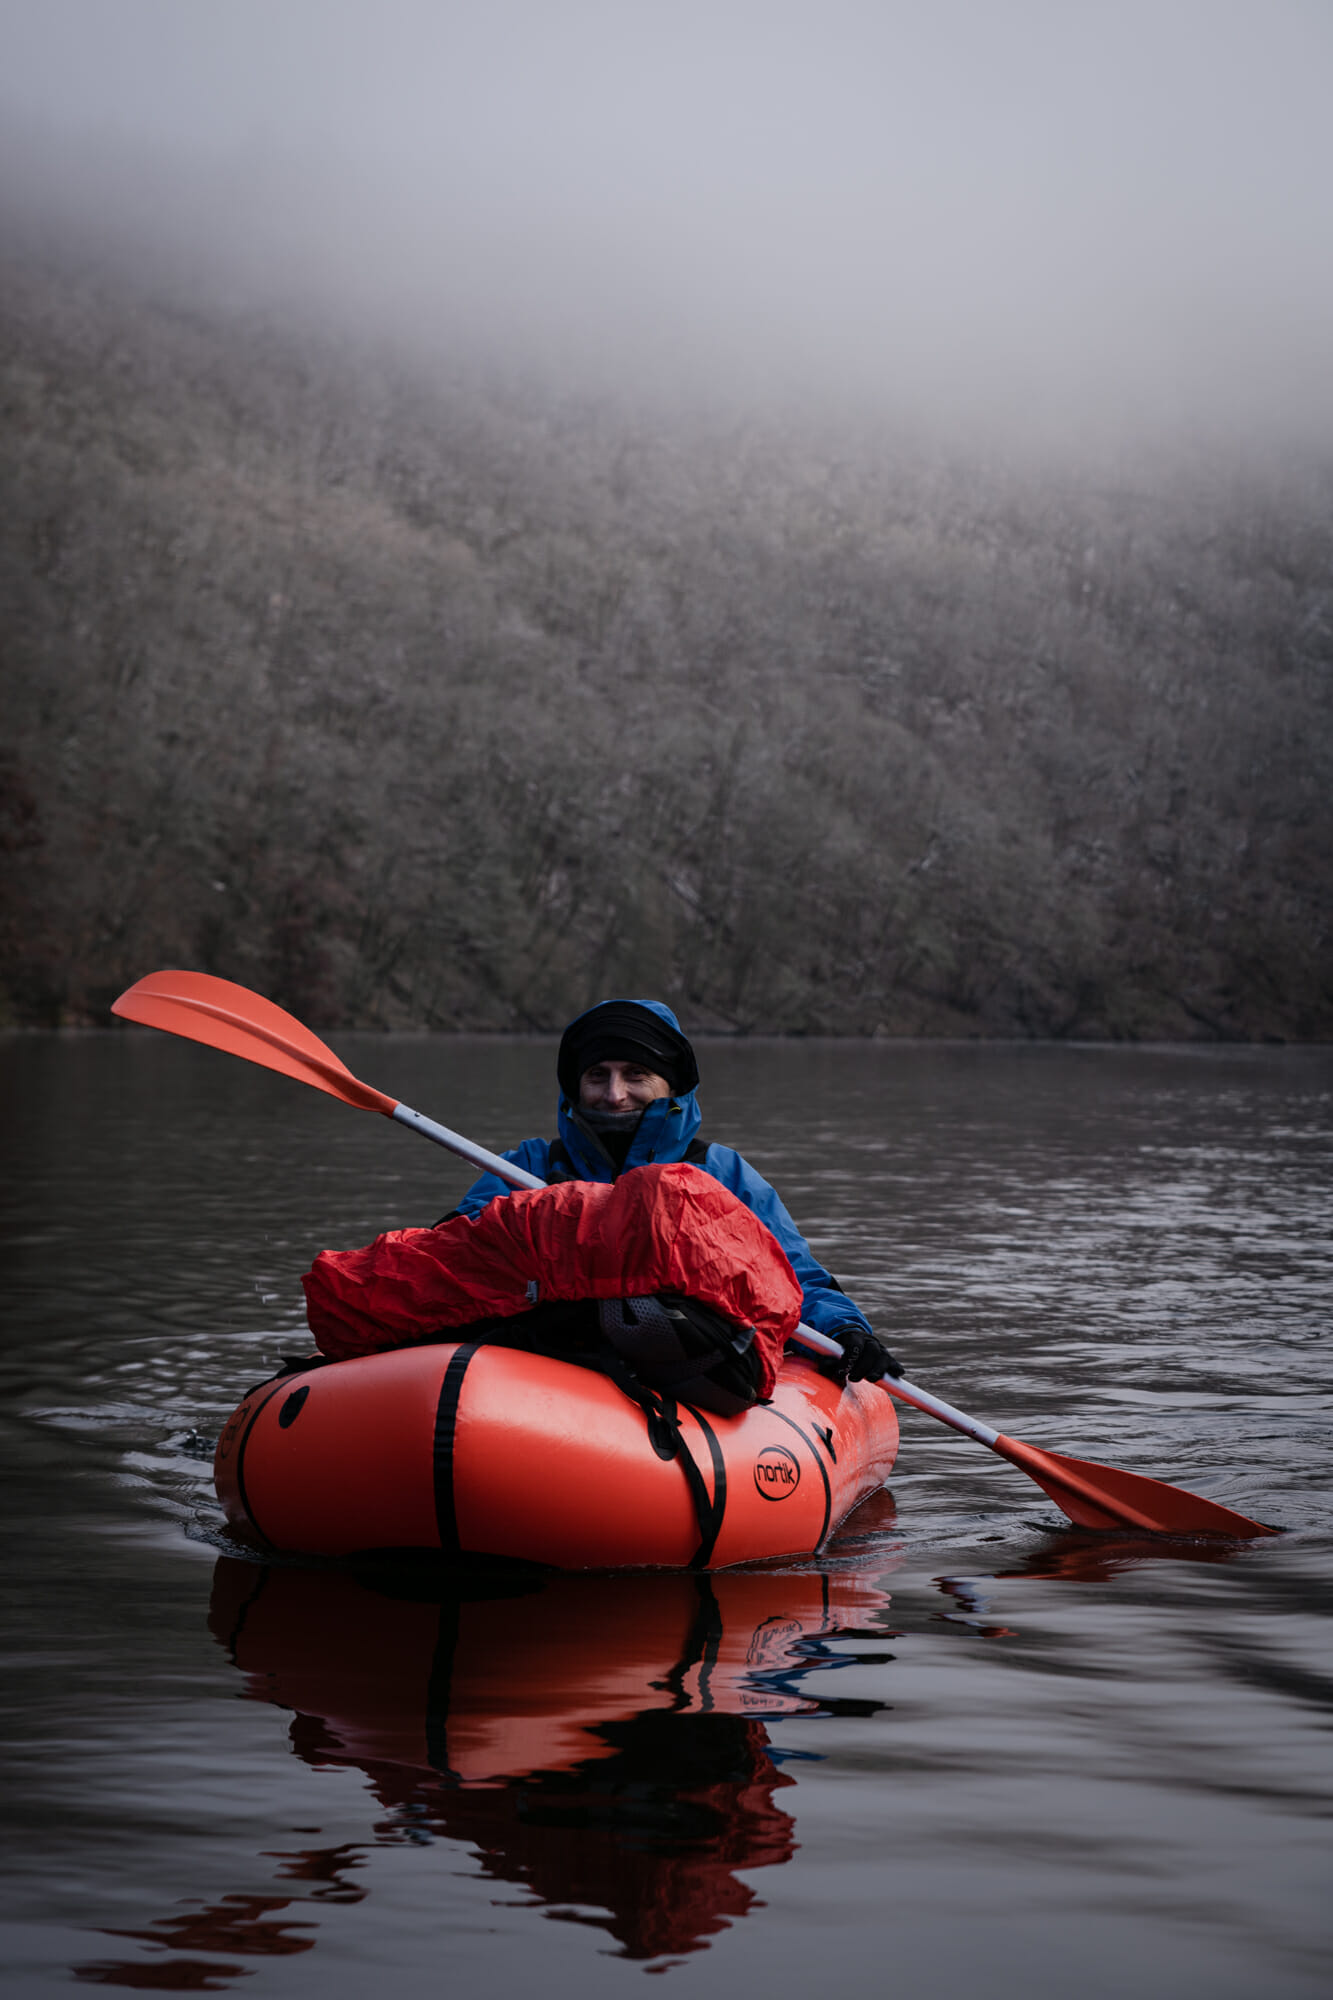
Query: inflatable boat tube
{"type": "Point", "coordinates": [479, 1450]}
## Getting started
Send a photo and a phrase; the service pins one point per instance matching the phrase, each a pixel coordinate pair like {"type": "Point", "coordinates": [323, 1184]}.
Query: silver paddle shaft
{"type": "Point", "coordinates": [920, 1399]}
{"type": "Point", "coordinates": [490, 1163]}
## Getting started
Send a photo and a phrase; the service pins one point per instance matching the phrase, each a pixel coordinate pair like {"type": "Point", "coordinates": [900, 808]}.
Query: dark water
{"type": "Point", "coordinates": [966, 1752]}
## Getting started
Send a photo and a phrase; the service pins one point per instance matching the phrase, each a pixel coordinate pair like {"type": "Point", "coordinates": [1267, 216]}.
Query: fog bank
{"type": "Point", "coordinates": [1022, 222]}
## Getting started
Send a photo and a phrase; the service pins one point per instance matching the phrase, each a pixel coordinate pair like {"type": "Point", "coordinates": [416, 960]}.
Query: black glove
{"type": "Point", "coordinates": [863, 1358]}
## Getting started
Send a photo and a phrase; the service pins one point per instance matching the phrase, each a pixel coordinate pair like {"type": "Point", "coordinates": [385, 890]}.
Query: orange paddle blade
{"type": "Point", "coordinates": [230, 1017]}
{"type": "Point", "coordinates": [1101, 1496]}
{"type": "Point", "coordinates": [1093, 1496]}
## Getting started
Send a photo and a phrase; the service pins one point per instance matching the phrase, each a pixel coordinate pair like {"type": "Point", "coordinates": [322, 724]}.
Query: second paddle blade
{"type": "Point", "coordinates": [1102, 1496]}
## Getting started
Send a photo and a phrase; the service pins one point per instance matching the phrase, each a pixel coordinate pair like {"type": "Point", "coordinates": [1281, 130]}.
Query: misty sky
{"type": "Point", "coordinates": [1037, 210]}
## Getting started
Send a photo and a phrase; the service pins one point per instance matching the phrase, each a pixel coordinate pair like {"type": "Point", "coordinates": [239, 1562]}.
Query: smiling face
{"type": "Point", "coordinates": [620, 1086]}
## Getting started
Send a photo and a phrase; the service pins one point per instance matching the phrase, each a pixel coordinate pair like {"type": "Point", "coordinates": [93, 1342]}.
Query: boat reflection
{"type": "Point", "coordinates": [600, 1742]}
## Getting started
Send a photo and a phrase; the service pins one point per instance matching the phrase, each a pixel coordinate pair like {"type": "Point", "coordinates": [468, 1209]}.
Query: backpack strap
{"type": "Point", "coordinates": [664, 1435]}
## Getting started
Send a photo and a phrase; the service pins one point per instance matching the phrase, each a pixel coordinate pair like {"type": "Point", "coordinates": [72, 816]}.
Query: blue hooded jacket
{"type": "Point", "coordinates": [663, 1134]}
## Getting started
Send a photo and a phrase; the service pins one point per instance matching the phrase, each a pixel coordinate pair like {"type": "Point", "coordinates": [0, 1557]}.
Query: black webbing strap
{"type": "Point", "coordinates": [667, 1440]}
{"type": "Point", "coordinates": [446, 1424]}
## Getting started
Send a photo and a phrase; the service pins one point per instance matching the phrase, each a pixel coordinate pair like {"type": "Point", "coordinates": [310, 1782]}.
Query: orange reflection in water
{"type": "Point", "coordinates": [598, 1741]}
{"type": "Point", "coordinates": [1077, 1555]}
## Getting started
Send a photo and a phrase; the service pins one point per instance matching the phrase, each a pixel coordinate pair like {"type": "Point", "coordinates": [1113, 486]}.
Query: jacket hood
{"type": "Point", "coordinates": [625, 1030]}
{"type": "Point", "coordinates": [663, 1133]}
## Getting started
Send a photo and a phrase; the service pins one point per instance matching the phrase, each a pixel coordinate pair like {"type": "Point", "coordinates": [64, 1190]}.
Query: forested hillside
{"type": "Point", "coordinates": [434, 701]}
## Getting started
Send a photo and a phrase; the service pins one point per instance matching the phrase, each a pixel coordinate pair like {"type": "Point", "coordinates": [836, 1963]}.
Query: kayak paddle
{"type": "Point", "coordinates": [225, 1016]}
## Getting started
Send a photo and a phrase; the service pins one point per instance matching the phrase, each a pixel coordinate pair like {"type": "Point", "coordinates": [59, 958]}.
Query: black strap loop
{"type": "Point", "coordinates": [665, 1436]}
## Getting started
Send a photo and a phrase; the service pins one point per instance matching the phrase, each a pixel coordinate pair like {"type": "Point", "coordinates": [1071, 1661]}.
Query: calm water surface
{"type": "Point", "coordinates": [965, 1752]}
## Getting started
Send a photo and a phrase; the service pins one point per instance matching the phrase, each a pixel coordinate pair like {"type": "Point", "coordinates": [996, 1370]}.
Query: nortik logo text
{"type": "Point", "coordinates": [777, 1472]}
